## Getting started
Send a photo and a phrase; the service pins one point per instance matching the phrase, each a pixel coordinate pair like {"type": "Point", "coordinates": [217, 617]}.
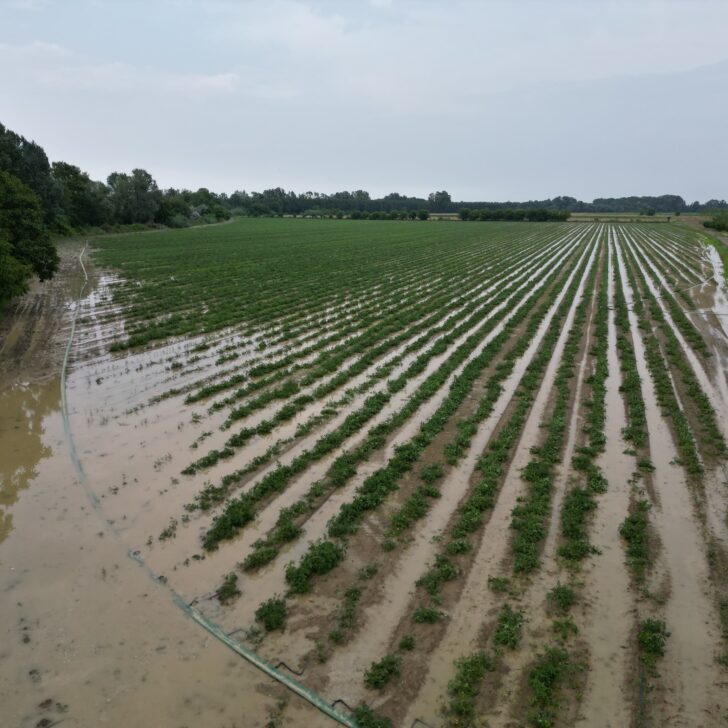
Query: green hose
{"type": "Point", "coordinates": [214, 629]}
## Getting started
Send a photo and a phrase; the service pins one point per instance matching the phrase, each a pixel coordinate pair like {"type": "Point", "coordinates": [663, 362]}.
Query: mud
{"type": "Point", "coordinates": [689, 698]}
{"type": "Point", "coordinates": [88, 639]}
{"type": "Point", "coordinates": [609, 618]}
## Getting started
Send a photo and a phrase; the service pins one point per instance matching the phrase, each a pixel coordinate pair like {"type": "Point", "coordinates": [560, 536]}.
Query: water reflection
{"type": "Point", "coordinates": [23, 409]}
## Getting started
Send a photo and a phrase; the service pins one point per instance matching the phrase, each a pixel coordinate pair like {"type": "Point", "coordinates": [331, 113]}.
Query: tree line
{"type": "Point", "coordinates": [40, 200]}
{"type": "Point", "coordinates": [532, 214]}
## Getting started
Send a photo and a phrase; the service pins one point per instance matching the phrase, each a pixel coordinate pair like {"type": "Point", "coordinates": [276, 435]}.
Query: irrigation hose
{"type": "Point", "coordinates": [214, 629]}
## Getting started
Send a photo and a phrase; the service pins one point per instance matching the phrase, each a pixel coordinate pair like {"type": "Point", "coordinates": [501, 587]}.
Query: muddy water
{"type": "Point", "coordinates": [465, 620]}
{"type": "Point", "coordinates": [347, 667]}
{"type": "Point", "coordinates": [199, 578]}
{"type": "Point", "coordinates": [688, 666]}
{"type": "Point", "coordinates": [533, 597]}
{"type": "Point", "coordinates": [606, 583]}
{"type": "Point", "coordinates": [271, 580]}
{"type": "Point", "coordinates": [23, 409]}
{"type": "Point", "coordinates": [87, 638]}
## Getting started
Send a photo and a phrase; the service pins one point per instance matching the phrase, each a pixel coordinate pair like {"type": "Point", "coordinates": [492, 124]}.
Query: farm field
{"type": "Point", "coordinates": [458, 473]}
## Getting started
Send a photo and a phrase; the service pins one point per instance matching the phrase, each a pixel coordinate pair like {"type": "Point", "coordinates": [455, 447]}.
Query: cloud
{"type": "Point", "coordinates": [494, 99]}
{"type": "Point", "coordinates": [51, 65]}
{"type": "Point", "coordinates": [37, 49]}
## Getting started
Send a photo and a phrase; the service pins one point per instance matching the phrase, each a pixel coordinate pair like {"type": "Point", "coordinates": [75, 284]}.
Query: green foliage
{"type": "Point", "coordinates": [634, 530]}
{"type": "Point", "coordinates": [509, 627]}
{"type": "Point", "coordinates": [367, 572]}
{"type": "Point", "coordinates": [407, 643]}
{"type": "Point", "coordinates": [426, 615]}
{"type": "Point", "coordinates": [365, 717]}
{"type": "Point", "coordinates": [498, 584]}
{"type": "Point", "coordinates": [228, 590]}
{"type": "Point", "coordinates": [380, 673]}
{"type": "Point", "coordinates": [22, 226]}
{"type": "Point", "coordinates": [718, 222]}
{"type": "Point", "coordinates": [272, 613]}
{"type": "Point", "coordinates": [652, 639]}
{"type": "Point", "coordinates": [14, 274]}
{"type": "Point", "coordinates": [464, 687]}
{"type": "Point", "coordinates": [561, 598]}
{"type": "Point", "coordinates": [546, 679]}
{"type": "Point", "coordinates": [564, 628]}
{"type": "Point", "coordinates": [320, 559]}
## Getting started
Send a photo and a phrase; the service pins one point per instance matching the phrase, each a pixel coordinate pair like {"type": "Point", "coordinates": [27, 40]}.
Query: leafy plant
{"type": "Point", "coordinates": [380, 673]}
{"type": "Point", "coordinates": [272, 613]}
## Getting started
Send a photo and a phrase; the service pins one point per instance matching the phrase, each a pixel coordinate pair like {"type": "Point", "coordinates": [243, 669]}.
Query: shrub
{"type": "Point", "coordinates": [426, 615]}
{"type": "Point", "coordinates": [652, 639]}
{"type": "Point", "coordinates": [272, 613]}
{"type": "Point", "coordinates": [380, 673]}
{"type": "Point", "coordinates": [562, 597]}
{"type": "Point", "coordinates": [509, 627]}
{"type": "Point", "coordinates": [463, 688]}
{"type": "Point", "coordinates": [407, 642]}
{"type": "Point", "coordinates": [321, 557]}
{"type": "Point", "coordinates": [365, 717]}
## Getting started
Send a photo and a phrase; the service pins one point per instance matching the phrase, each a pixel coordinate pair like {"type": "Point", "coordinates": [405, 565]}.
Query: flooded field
{"type": "Point", "coordinates": [441, 474]}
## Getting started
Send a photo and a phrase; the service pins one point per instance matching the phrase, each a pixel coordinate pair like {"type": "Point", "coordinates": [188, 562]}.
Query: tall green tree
{"type": "Point", "coordinates": [135, 198]}
{"type": "Point", "coordinates": [14, 275]}
{"type": "Point", "coordinates": [22, 225]}
{"type": "Point", "coordinates": [27, 161]}
{"type": "Point", "coordinates": [82, 200]}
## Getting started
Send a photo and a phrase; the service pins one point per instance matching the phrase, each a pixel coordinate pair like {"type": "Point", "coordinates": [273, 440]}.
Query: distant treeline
{"type": "Point", "coordinates": [278, 201]}
{"type": "Point", "coordinates": [536, 214]}
{"type": "Point", "coordinates": [39, 200]}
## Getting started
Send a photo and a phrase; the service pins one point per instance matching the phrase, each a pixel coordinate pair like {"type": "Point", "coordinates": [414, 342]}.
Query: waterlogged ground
{"type": "Point", "coordinates": [509, 438]}
{"type": "Point", "coordinates": [87, 637]}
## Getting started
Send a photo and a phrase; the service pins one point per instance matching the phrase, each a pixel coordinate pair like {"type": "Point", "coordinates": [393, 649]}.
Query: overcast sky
{"type": "Point", "coordinates": [491, 100]}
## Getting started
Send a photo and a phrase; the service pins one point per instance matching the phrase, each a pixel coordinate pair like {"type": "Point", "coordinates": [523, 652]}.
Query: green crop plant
{"type": "Point", "coordinates": [381, 672]}
{"type": "Point", "coordinates": [272, 613]}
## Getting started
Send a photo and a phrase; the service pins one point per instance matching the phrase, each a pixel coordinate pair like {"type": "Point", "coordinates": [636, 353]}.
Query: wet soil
{"type": "Point", "coordinates": [87, 637]}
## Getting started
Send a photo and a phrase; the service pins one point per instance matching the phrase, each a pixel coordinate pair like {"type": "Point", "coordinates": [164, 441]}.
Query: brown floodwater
{"type": "Point", "coordinates": [88, 638]}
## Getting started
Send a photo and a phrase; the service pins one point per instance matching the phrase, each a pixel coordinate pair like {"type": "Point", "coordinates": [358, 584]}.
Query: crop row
{"type": "Point", "coordinates": [666, 397]}
{"type": "Point", "coordinates": [491, 464]}
{"type": "Point", "coordinates": [530, 517]}
{"type": "Point", "coordinates": [710, 434]}
{"type": "Point", "coordinates": [474, 310]}
{"type": "Point", "coordinates": [239, 512]}
{"type": "Point", "coordinates": [381, 483]}
{"type": "Point", "coordinates": [580, 500]}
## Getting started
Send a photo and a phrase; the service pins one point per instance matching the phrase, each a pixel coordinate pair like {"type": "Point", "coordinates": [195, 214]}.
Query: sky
{"type": "Point", "coordinates": [488, 99]}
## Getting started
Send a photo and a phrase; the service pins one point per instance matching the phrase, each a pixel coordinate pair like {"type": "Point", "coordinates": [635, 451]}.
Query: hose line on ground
{"type": "Point", "coordinates": [214, 629]}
